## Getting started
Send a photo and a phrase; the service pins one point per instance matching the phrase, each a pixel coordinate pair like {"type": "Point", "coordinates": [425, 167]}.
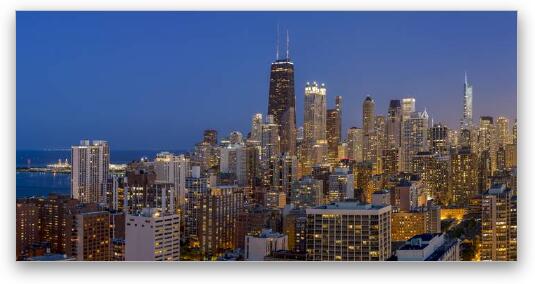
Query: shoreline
{"type": "Point", "coordinates": [42, 170]}
{"type": "Point", "coordinates": [54, 171]}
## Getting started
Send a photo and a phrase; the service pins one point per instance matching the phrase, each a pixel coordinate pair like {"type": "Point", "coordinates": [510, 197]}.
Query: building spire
{"type": "Point", "coordinates": [465, 78]}
{"type": "Point", "coordinates": [277, 44]}
{"type": "Point", "coordinates": [287, 45]}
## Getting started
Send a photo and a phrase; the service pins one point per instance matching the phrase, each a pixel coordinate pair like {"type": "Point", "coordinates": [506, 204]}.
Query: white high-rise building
{"type": "Point", "coordinates": [503, 135]}
{"type": "Point", "coordinates": [174, 170]}
{"type": "Point", "coordinates": [90, 165]}
{"type": "Point", "coordinates": [234, 160]}
{"type": "Point", "coordinates": [152, 236]}
{"type": "Point", "coordinates": [315, 123]}
{"type": "Point", "coordinates": [466, 122]}
{"type": "Point", "coordinates": [270, 142]}
{"type": "Point", "coordinates": [256, 127]}
{"type": "Point", "coordinates": [408, 106]}
{"type": "Point", "coordinates": [414, 138]}
{"type": "Point", "coordinates": [355, 140]}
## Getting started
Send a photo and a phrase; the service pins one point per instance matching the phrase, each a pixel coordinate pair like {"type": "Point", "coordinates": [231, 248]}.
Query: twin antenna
{"type": "Point", "coordinates": [287, 43]}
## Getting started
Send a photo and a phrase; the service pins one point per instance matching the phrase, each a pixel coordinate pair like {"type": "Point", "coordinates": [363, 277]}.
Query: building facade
{"type": "Point", "coordinates": [348, 231]}
{"type": "Point", "coordinates": [90, 166]}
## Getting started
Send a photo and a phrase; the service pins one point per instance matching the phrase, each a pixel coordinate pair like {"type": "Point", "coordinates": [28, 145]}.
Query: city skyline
{"type": "Point", "coordinates": [407, 184]}
{"type": "Point", "coordinates": [153, 103]}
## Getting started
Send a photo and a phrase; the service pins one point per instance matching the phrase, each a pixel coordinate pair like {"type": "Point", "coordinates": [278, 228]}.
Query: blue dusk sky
{"type": "Point", "coordinates": [156, 80]}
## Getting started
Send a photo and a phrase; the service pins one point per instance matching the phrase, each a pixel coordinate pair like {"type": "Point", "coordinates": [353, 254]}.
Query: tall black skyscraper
{"type": "Point", "coordinates": [282, 99]}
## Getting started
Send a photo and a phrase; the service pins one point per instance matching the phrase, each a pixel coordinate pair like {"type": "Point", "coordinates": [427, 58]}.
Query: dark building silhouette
{"type": "Point", "coordinates": [282, 100]}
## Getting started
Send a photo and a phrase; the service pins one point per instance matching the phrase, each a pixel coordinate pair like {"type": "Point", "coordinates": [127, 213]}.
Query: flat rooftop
{"type": "Point", "coordinates": [349, 205]}
{"type": "Point", "coordinates": [425, 239]}
{"type": "Point", "coordinates": [349, 208]}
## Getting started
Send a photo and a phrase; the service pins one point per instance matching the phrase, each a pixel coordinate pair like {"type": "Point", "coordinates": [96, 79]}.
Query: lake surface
{"type": "Point", "coordinates": [41, 184]}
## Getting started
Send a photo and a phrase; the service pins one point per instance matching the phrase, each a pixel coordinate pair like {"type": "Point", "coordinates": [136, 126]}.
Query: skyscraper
{"type": "Point", "coordinates": [368, 129]}
{"type": "Point", "coordinates": [498, 224]}
{"type": "Point", "coordinates": [270, 143]}
{"type": "Point", "coordinates": [355, 142]}
{"type": "Point", "coordinates": [315, 124]}
{"type": "Point", "coordinates": [393, 124]}
{"type": "Point", "coordinates": [90, 164]}
{"type": "Point", "coordinates": [408, 106]}
{"type": "Point", "coordinates": [439, 139]}
{"type": "Point", "coordinates": [466, 122]}
{"type": "Point", "coordinates": [219, 208]}
{"type": "Point", "coordinates": [463, 179]}
{"type": "Point", "coordinates": [234, 161]}
{"type": "Point", "coordinates": [282, 99]}
{"type": "Point", "coordinates": [333, 134]}
{"type": "Point", "coordinates": [514, 132]}
{"type": "Point", "coordinates": [205, 153]}
{"type": "Point", "coordinates": [487, 139]}
{"type": "Point", "coordinates": [256, 127]}
{"type": "Point", "coordinates": [502, 131]}
{"type": "Point", "coordinates": [338, 102]}
{"type": "Point", "coordinates": [380, 142]}
{"type": "Point", "coordinates": [210, 136]}
{"type": "Point", "coordinates": [414, 136]}
{"type": "Point", "coordinates": [196, 186]}
{"type": "Point", "coordinates": [174, 170]}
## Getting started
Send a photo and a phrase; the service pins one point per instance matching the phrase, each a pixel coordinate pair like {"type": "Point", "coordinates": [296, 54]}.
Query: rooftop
{"type": "Point", "coordinates": [351, 205]}
{"type": "Point", "coordinates": [418, 242]}
{"type": "Point", "coordinates": [404, 182]}
{"type": "Point", "coordinates": [437, 254]}
{"type": "Point", "coordinates": [497, 189]}
{"type": "Point", "coordinates": [268, 233]}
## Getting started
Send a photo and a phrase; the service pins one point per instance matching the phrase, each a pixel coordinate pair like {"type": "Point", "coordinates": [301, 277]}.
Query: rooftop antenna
{"type": "Point", "coordinates": [278, 41]}
{"type": "Point", "coordinates": [287, 45]}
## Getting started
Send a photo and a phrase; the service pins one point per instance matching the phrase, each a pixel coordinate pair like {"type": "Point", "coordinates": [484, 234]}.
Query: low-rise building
{"type": "Point", "coordinates": [257, 247]}
{"type": "Point", "coordinates": [429, 247]}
